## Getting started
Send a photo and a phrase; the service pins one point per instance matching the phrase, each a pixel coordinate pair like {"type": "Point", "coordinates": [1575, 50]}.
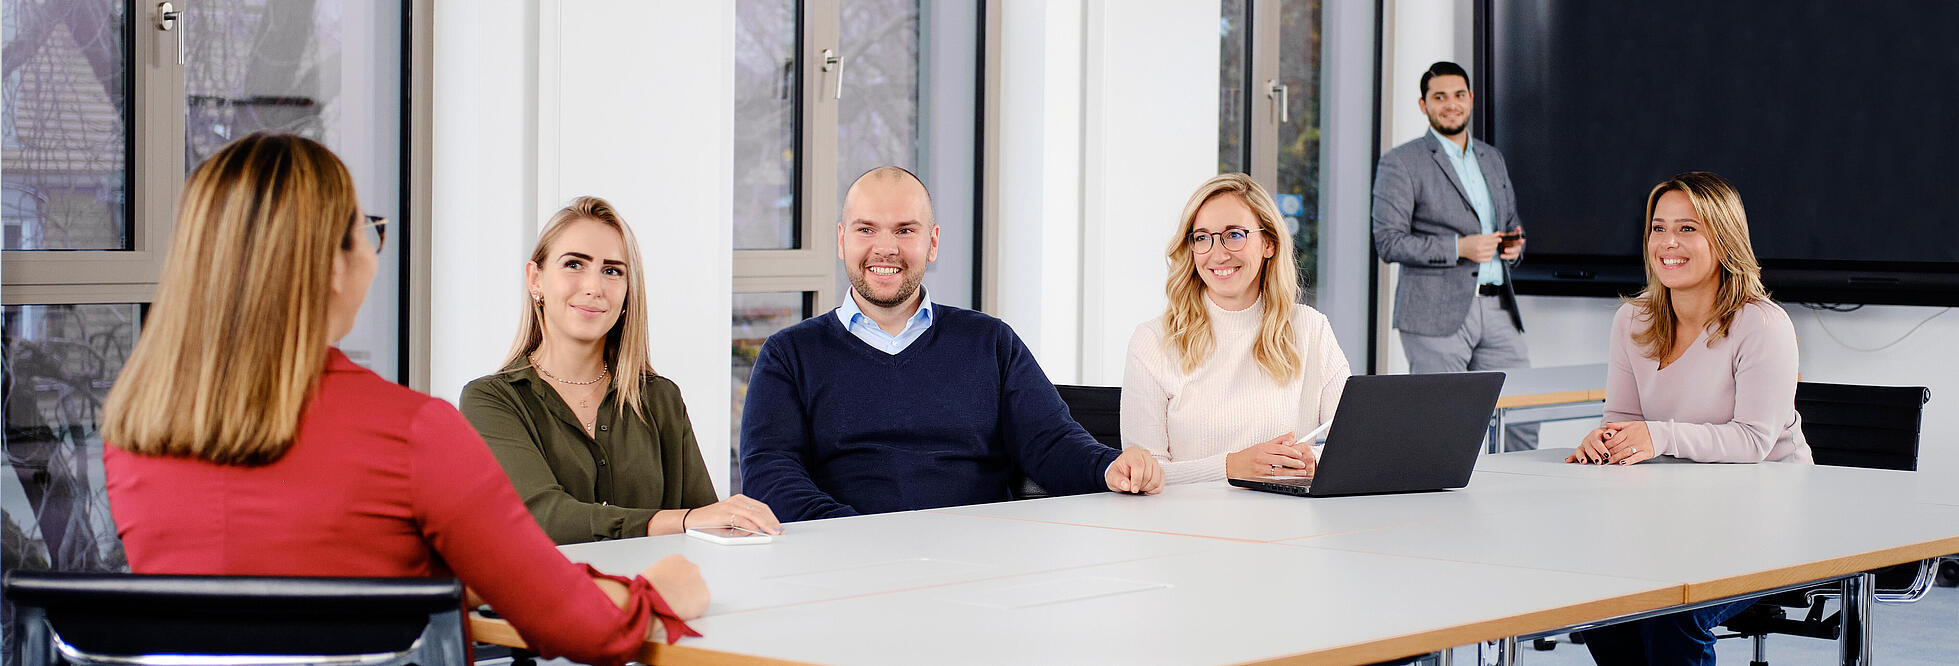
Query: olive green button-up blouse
{"type": "Point", "coordinates": [587, 488]}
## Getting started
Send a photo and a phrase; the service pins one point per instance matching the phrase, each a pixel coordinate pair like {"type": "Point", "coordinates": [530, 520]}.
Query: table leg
{"type": "Point", "coordinates": [1854, 643]}
{"type": "Point", "coordinates": [1507, 651]}
{"type": "Point", "coordinates": [1495, 438]}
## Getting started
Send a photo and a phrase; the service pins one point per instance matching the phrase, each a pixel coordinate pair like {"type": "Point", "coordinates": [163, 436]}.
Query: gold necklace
{"type": "Point", "coordinates": [547, 374]}
{"type": "Point", "coordinates": [584, 401]}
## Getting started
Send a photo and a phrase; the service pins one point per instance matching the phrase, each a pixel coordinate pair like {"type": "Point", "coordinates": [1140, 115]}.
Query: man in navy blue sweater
{"type": "Point", "coordinates": [892, 403]}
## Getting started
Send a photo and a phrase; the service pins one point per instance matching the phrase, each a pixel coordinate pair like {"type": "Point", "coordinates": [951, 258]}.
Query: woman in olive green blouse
{"type": "Point", "coordinates": [597, 444]}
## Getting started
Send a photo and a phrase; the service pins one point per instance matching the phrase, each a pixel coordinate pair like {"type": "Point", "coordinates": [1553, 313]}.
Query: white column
{"type": "Point", "coordinates": [1040, 180]}
{"type": "Point", "coordinates": [641, 102]}
{"type": "Point", "coordinates": [1150, 137]}
{"type": "Point", "coordinates": [484, 111]}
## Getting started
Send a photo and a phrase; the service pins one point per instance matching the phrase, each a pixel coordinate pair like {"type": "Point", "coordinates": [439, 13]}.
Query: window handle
{"type": "Point", "coordinates": [830, 60]}
{"type": "Point", "coordinates": [167, 18]}
{"type": "Point", "coordinates": [1276, 91]}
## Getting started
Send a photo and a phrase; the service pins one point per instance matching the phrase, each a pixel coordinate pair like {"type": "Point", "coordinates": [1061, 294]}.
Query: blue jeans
{"type": "Point", "coordinates": [1686, 637]}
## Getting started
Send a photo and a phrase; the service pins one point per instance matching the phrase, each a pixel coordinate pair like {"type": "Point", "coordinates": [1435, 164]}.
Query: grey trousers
{"type": "Point", "coordinates": [1486, 341]}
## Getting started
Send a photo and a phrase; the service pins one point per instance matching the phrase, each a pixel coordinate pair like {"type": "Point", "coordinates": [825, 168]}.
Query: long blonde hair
{"type": "Point", "coordinates": [1718, 206]}
{"type": "Point", "coordinates": [1188, 324]}
{"type": "Point", "coordinates": [626, 343]}
{"type": "Point", "coordinates": [236, 339]}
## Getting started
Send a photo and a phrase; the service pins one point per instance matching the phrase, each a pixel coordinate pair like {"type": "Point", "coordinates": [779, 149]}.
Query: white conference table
{"type": "Point", "coordinates": [1206, 573]}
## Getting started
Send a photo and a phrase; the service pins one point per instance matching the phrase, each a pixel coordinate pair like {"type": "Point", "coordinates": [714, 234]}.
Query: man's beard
{"type": "Point", "coordinates": [1447, 130]}
{"type": "Point", "coordinates": [906, 288]}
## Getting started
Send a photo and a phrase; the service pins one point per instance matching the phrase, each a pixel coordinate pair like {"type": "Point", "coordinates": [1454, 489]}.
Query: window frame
{"type": "Point", "coordinates": [812, 267]}
{"type": "Point", "coordinates": [155, 120]}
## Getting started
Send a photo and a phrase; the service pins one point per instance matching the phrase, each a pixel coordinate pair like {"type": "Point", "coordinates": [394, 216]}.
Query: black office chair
{"type": "Point", "coordinates": [1099, 411]}
{"type": "Point", "coordinates": [92, 618]}
{"type": "Point", "coordinates": [1848, 426]}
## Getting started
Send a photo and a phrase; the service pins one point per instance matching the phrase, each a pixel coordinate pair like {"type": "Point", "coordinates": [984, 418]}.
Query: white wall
{"type": "Point", "coordinates": [1109, 120]}
{"type": "Point", "coordinates": [658, 144]}
{"type": "Point", "coordinates": [1151, 137]}
{"type": "Point", "coordinates": [1039, 281]}
{"type": "Point", "coordinates": [484, 187]}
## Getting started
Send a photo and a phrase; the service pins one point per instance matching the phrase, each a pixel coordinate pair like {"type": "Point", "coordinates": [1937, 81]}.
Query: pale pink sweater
{"type": "Point", "coordinates": [1730, 401]}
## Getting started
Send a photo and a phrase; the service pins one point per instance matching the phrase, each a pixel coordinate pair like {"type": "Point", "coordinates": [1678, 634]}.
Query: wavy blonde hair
{"type": "Point", "coordinates": [1187, 324]}
{"type": "Point", "coordinates": [626, 344]}
{"type": "Point", "coordinates": [236, 339]}
{"type": "Point", "coordinates": [1718, 206]}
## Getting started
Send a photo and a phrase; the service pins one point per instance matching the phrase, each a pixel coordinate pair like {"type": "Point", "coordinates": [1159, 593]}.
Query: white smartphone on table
{"type": "Point", "coordinates": [729, 535]}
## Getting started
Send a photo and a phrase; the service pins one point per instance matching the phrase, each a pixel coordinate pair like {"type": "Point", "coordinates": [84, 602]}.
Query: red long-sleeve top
{"type": "Point", "coordinates": [380, 480]}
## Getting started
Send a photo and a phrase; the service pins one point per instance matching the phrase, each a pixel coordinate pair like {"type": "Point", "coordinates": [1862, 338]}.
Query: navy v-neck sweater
{"type": "Point", "coordinates": [834, 427]}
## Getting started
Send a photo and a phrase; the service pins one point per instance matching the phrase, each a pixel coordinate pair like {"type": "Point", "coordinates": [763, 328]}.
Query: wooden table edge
{"type": "Point", "coordinates": [1553, 398]}
{"type": "Point", "coordinates": [497, 631]}
{"type": "Point", "coordinates": [1477, 632]}
{"type": "Point", "coordinates": [1722, 588]}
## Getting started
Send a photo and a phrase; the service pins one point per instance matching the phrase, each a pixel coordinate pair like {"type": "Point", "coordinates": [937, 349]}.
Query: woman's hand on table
{"type": "Point", "coordinates": [1621, 443]}
{"type": "Point", "coordinates": [1279, 456]}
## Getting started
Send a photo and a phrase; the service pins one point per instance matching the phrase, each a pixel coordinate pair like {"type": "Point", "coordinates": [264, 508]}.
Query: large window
{"type": "Point", "coordinates": [106, 105]}
{"type": "Point", "coordinates": [1269, 113]}
{"type": "Point", "coordinates": [825, 90]}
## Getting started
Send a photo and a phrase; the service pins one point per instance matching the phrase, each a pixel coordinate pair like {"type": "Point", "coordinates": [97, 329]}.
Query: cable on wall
{"type": "Point", "coordinates": [1823, 324]}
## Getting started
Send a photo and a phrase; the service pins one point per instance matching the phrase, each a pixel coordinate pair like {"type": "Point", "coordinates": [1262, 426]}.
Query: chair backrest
{"type": "Point", "coordinates": [117, 618]}
{"type": "Point", "coordinates": [1098, 409]}
{"type": "Point", "coordinates": [1850, 425]}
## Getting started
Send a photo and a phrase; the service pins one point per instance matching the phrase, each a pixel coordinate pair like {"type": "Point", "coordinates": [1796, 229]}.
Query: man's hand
{"type": "Point", "coordinates": [1135, 471]}
{"type": "Point", "coordinates": [1513, 246]}
{"type": "Point", "coordinates": [1478, 248]}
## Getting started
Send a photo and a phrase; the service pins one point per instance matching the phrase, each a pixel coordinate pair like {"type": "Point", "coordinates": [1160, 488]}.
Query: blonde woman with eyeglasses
{"type": "Point", "coordinates": [243, 442]}
{"type": "Point", "coordinates": [1236, 369]}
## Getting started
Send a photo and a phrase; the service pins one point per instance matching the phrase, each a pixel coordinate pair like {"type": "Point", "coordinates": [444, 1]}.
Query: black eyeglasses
{"type": "Point", "coordinates": [376, 229]}
{"type": "Point", "coordinates": [1234, 239]}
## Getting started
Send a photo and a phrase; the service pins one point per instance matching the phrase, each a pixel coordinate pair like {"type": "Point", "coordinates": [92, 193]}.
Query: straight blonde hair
{"type": "Point", "coordinates": [1718, 206]}
{"type": "Point", "coordinates": [1188, 323]}
{"type": "Point", "coordinates": [237, 337]}
{"type": "Point", "coordinates": [626, 343]}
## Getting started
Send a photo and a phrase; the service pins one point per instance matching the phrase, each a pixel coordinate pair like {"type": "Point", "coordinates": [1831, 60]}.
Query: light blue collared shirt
{"type": "Point", "coordinates": [861, 325]}
{"type": "Point", "coordinates": [1471, 175]}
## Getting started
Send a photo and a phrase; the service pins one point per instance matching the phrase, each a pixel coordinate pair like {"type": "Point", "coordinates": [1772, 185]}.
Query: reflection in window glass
{"type": "Point", "coordinates": [757, 316]}
{"type": "Point", "coordinates": [910, 94]}
{"type": "Point", "coordinates": [60, 362]}
{"type": "Point", "coordinates": [877, 119]}
{"type": "Point", "coordinates": [63, 126]}
{"type": "Point", "coordinates": [328, 71]}
{"type": "Point", "coordinates": [1299, 140]}
{"type": "Point", "coordinates": [1234, 76]}
{"type": "Point", "coordinates": [766, 107]}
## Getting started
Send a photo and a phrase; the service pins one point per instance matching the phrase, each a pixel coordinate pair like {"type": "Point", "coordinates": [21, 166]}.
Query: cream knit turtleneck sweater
{"type": "Point", "coordinates": [1190, 420]}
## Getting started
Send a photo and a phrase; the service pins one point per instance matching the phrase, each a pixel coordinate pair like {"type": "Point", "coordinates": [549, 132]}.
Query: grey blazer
{"type": "Point", "coordinates": [1420, 209]}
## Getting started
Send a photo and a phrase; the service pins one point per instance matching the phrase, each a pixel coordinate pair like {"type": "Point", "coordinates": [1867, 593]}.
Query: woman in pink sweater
{"type": "Point", "coordinates": [1703, 367]}
{"type": "Point", "coordinates": [1703, 364]}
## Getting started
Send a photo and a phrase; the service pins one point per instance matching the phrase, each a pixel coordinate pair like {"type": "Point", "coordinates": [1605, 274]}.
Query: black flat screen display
{"type": "Point", "coordinates": [1837, 121]}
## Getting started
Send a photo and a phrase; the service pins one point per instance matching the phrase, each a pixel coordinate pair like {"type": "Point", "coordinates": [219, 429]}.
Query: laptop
{"type": "Point", "coordinates": [1399, 434]}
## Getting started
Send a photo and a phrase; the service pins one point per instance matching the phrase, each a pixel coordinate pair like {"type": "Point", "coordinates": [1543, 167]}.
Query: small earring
{"type": "Point", "coordinates": [537, 297]}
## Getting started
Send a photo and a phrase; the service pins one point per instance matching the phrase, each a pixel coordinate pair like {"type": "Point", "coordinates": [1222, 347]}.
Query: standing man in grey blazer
{"type": "Point", "coordinates": [1444, 210]}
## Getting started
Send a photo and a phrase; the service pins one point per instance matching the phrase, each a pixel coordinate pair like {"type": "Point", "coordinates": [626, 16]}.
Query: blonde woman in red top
{"type": "Point", "coordinates": [244, 443]}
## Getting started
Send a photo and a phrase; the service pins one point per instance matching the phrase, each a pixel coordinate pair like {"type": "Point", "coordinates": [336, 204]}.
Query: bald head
{"type": "Point", "coordinates": [887, 192]}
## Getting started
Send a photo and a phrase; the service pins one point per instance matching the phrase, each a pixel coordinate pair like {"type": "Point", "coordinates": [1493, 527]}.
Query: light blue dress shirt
{"type": "Point", "coordinates": [862, 326]}
{"type": "Point", "coordinates": [1471, 175]}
